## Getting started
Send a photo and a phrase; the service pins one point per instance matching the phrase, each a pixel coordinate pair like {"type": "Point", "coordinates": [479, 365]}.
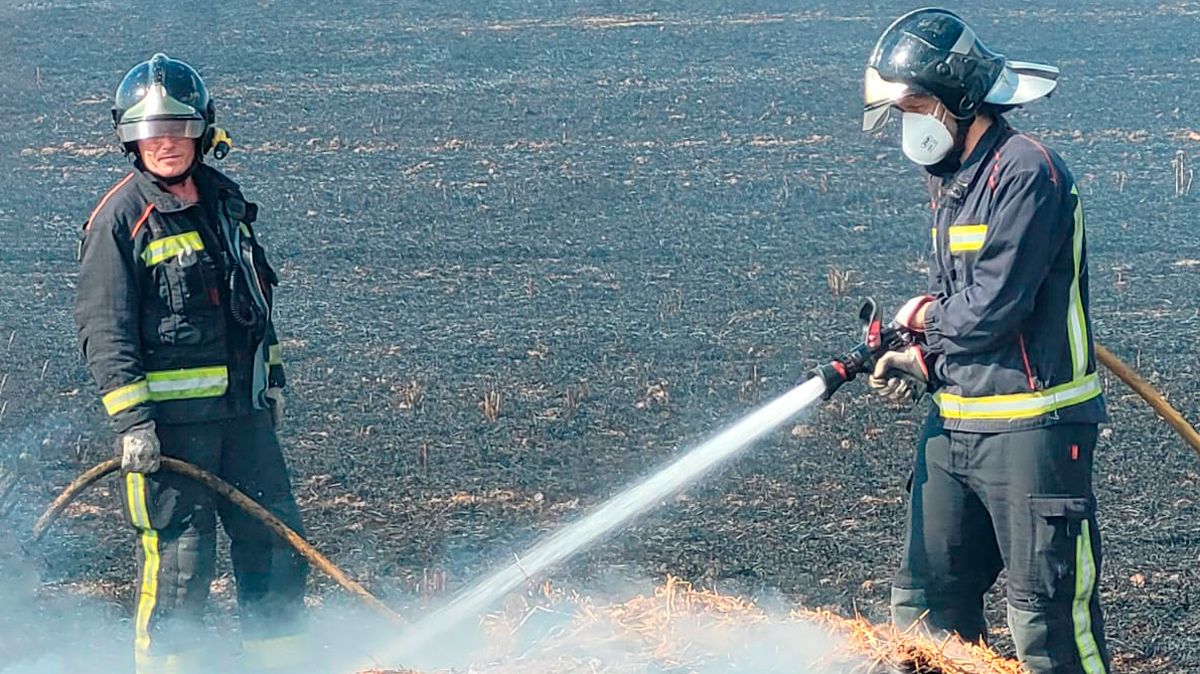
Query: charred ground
{"type": "Point", "coordinates": [531, 248]}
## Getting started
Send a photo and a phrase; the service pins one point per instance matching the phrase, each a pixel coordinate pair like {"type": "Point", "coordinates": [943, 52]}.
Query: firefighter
{"type": "Point", "coordinates": [1003, 471]}
{"type": "Point", "coordinates": [174, 318]}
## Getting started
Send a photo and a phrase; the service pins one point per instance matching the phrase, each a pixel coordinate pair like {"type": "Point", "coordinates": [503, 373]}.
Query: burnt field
{"type": "Point", "coordinates": [530, 249]}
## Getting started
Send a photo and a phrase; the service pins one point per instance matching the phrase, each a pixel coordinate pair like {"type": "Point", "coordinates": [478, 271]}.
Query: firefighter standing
{"type": "Point", "coordinates": [174, 317]}
{"type": "Point", "coordinates": [1003, 471]}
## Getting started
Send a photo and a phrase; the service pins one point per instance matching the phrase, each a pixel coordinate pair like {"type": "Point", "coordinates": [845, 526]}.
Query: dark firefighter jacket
{"type": "Point", "coordinates": [174, 303]}
{"type": "Point", "coordinates": [1009, 335]}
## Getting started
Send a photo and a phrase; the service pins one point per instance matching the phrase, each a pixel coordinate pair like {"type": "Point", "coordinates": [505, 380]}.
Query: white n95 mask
{"type": "Point", "coordinates": [924, 138]}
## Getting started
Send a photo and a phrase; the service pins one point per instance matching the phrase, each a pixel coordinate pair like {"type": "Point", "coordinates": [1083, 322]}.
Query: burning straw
{"type": "Point", "coordinates": [680, 628]}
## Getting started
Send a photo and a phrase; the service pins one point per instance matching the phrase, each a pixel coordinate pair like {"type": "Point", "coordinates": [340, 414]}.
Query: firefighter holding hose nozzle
{"type": "Point", "coordinates": [174, 316]}
{"type": "Point", "coordinates": [1003, 471]}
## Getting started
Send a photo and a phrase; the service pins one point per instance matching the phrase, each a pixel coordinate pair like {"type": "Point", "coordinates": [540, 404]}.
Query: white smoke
{"type": "Point", "coordinates": [609, 517]}
{"type": "Point", "coordinates": [57, 633]}
{"type": "Point", "coordinates": [636, 629]}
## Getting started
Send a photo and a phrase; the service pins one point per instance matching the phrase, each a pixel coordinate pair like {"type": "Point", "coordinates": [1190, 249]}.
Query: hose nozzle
{"type": "Point", "coordinates": [878, 339]}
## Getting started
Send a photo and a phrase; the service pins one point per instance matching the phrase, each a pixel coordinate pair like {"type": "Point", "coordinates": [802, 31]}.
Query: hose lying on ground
{"type": "Point", "coordinates": [1106, 357]}
{"type": "Point", "coordinates": [1152, 397]}
{"type": "Point", "coordinates": [236, 497]}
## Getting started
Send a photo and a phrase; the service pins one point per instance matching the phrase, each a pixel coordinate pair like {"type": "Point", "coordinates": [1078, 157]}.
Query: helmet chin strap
{"type": "Point", "coordinates": [953, 159]}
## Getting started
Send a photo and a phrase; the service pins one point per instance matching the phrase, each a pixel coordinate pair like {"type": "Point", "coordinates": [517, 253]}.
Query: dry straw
{"type": "Point", "coordinates": [681, 628]}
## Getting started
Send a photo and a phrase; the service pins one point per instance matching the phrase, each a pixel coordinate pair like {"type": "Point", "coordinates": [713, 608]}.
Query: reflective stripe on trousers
{"type": "Point", "coordinates": [191, 662]}
{"type": "Point", "coordinates": [147, 663]}
{"type": "Point", "coordinates": [1081, 610]}
{"type": "Point", "coordinates": [175, 520]}
{"type": "Point", "coordinates": [1021, 500]}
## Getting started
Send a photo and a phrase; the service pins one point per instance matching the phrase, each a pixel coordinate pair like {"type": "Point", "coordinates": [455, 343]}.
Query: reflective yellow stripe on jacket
{"type": "Point", "coordinates": [185, 384]}
{"type": "Point", "coordinates": [1019, 405]}
{"type": "Point", "coordinates": [1081, 388]}
{"type": "Point", "coordinates": [161, 250]}
{"type": "Point", "coordinates": [967, 238]}
{"type": "Point", "coordinates": [196, 382]}
{"type": "Point", "coordinates": [1076, 320]}
{"type": "Point", "coordinates": [121, 399]}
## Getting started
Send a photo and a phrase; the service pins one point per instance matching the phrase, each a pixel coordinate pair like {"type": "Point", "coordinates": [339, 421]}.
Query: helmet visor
{"type": "Point", "coordinates": [899, 61]}
{"type": "Point", "coordinates": [158, 128]}
{"type": "Point", "coordinates": [879, 95]}
{"type": "Point", "coordinates": [1022, 82]}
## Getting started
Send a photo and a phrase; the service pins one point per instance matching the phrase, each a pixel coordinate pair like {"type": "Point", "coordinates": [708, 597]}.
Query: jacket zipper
{"type": "Point", "coordinates": [1025, 357]}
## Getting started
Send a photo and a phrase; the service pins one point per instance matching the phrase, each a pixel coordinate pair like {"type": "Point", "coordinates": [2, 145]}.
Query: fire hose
{"type": "Point", "coordinates": [878, 339]}
{"type": "Point", "coordinates": [1151, 395]}
{"type": "Point", "coordinates": [247, 504]}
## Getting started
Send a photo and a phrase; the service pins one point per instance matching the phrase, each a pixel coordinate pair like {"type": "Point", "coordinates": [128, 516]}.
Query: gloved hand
{"type": "Point", "coordinates": [276, 406]}
{"type": "Point", "coordinates": [912, 314]}
{"type": "Point", "coordinates": [140, 450]}
{"type": "Point", "coordinates": [901, 376]}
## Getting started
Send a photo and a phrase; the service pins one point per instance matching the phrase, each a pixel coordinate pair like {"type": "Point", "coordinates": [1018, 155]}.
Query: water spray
{"type": "Point", "coordinates": [618, 511]}
{"type": "Point", "coordinates": [621, 509]}
{"type": "Point", "coordinates": [821, 383]}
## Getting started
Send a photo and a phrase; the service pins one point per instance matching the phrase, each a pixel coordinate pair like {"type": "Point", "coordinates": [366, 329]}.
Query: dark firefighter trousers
{"type": "Point", "coordinates": [1021, 500]}
{"type": "Point", "coordinates": [176, 521]}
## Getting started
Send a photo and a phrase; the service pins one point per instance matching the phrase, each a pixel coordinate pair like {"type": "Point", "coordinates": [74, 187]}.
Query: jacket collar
{"type": "Point", "coordinates": [210, 183]}
{"type": "Point", "coordinates": [954, 187]}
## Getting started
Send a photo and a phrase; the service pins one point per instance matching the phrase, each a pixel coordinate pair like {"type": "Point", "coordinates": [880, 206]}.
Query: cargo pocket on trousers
{"type": "Point", "coordinates": [1057, 522]}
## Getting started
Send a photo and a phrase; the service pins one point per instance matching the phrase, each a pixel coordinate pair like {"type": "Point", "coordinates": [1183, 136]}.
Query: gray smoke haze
{"type": "Point", "coordinates": [65, 633]}
{"type": "Point", "coordinates": [608, 518]}
{"type": "Point", "coordinates": [67, 628]}
{"type": "Point", "coordinates": [44, 631]}
{"type": "Point", "coordinates": [633, 630]}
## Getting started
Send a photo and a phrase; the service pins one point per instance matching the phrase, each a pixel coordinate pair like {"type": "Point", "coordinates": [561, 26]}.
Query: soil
{"type": "Point", "coordinates": [532, 249]}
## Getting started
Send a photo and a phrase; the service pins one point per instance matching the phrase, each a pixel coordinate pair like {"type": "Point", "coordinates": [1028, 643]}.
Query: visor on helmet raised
{"type": "Point", "coordinates": [879, 95]}
{"type": "Point", "coordinates": [158, 128]}
{"type": "Point", "coordinates": [1022, 82]}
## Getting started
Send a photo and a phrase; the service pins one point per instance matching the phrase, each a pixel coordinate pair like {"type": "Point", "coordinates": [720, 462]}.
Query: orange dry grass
{"type": "Point", "coordinates": [667, 621]}
{"type": "Point", "coordinates": [679, 628]}
{"type": "Point", "coordinates": [887, 649]}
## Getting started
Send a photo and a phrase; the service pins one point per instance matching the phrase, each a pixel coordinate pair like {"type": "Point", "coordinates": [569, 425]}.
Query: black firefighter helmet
{"type": "Point", "coordinates": [934, 52]}
{"type": "Point", "coordinates": [166, 97]}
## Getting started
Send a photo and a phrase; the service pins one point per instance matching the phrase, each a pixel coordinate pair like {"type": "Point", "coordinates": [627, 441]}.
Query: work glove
{"type": "Point", "coordinates": [910, 315]}
{"type": "Point", "coordinates": [901, 376]}
{"type": "Point", "coordinates": [140, 450]}
{"type": "Point", "coordinates": [276, 406]}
